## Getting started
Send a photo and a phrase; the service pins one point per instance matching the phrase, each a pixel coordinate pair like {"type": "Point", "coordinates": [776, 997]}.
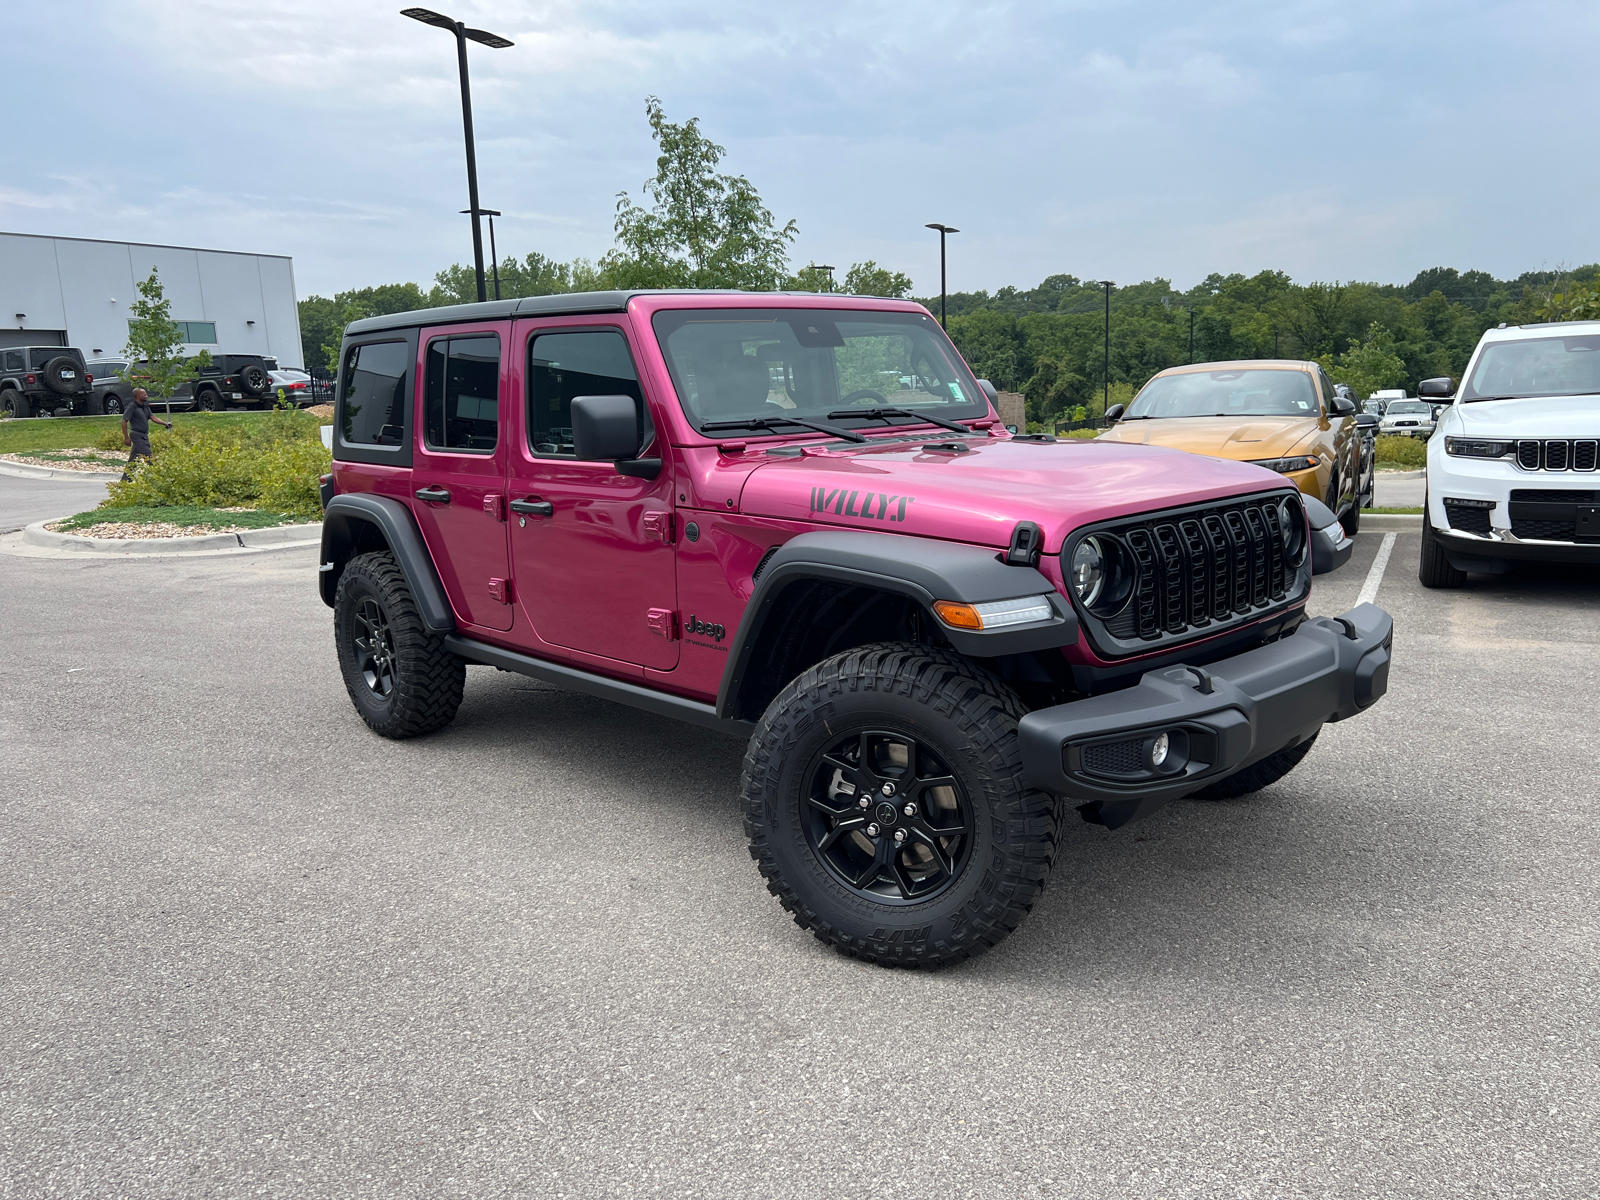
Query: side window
{"type": "Point", "coordinates": [461, 406]}
{"type": "Point", "coordinates": [564, 365]}
{"type": "Point", "coordinates": [13, 360]}
{"type": "Point", "coordinates": [377, 379]}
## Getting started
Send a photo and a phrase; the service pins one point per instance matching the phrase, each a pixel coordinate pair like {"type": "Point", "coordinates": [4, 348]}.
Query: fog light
{"type": "Point", "coordinates": [1158, 750]}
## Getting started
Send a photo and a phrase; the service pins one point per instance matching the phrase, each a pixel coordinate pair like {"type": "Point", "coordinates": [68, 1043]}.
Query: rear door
{"type": "Point", "coordinates": [593, 554]}
{"type": "Point", "coordinates": [458, 469]}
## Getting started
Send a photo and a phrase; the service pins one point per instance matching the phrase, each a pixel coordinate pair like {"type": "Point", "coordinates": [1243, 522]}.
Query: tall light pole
{"type": "Point", "coordinates": [493, 40]}
{"type": "Point", "coordinates": [943, 230]}
{"type": "Point", "coordinates": [494, 255]}
{"type": "Point", "coordinates": [1108, 285]}
{"type": "Point", "coordinates": [1191, 335]}
{"type": "Point", "coordinates": [829, 270]}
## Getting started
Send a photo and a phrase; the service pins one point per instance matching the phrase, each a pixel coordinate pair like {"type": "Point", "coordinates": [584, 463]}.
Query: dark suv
{"type": "Point", "coordinates": [45, 381]}
{"type": "Point", "coordinates": [237, 379]}
{"type": "Point", "coordinates": [799, 520]}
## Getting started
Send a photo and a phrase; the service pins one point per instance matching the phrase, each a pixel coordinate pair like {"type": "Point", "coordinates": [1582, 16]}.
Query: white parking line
{"type": "Point", "coordinates": [1369, 589]}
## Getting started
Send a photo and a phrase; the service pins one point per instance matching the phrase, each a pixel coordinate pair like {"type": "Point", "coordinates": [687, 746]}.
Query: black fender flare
{"type": "Point", "coordinates": [342, 534]}
{"type": "Point", "coordinates": [919, 568]}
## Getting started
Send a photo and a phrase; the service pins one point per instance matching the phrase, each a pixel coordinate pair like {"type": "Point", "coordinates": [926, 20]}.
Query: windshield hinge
{"type": "Point", "coordinates": [1026, 541]}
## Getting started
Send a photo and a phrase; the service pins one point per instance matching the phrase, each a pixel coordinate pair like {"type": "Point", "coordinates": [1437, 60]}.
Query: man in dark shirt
{"type": "Point", "coordinates": [136, 418]}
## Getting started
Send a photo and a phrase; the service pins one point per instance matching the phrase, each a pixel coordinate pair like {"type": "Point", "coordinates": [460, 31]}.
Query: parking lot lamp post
{"type": "Point", "coordinates": [1191, 335]}
{"type": "Point", "coordinates": [829, 270]}
{"type": "Point", "coordinates": [494, 41]}
{"type": "Point", "coordinates": [494, 255]}
{"type": "Point", "coordinates": [943, 230]}
{"type": "Point", "coordinates": [1108, 285]}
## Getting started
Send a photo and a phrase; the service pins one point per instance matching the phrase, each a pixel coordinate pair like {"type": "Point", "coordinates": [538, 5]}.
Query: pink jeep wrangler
{"type": "Point", "coordinates": [798, 520]}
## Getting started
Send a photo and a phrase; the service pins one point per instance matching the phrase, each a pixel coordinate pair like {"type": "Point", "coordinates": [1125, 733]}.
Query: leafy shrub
{"type": "Point", "coordinates": [1403, 451]}
{"type": "Point", "coordinates": [111, 439]}
{"type": "Point", "coordinates": [272, 464]}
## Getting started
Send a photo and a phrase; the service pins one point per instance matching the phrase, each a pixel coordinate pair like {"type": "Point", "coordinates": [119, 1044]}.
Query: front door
{"type": "Point", "coordinates": [458, 471]}
{"type": "Point", "coordinates": [592, 549]}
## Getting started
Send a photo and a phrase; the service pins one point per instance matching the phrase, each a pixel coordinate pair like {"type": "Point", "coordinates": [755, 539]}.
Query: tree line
{"type": "Point", "coordinates": [696, 226]}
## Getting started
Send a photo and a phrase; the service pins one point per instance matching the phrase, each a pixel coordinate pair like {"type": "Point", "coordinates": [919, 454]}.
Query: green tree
{"type": "Point", "coordinates": [1576, 301]}
{"type": "Point", "coordinates": [809, 278]}
{"type": "Point", "coordinates": [155, 344]}
{"type": "Point", "coordinates": [1369, 365]}
{"type": "Point", "coordinates": [869, 279]}
{"type": "Point", "coordinates": [703, 229]}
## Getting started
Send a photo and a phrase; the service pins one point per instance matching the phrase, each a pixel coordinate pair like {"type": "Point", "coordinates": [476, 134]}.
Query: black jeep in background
{"type": "Point", "coordinates": [231, 379]}
{"type": "Point", "coordinates": [45, 381]}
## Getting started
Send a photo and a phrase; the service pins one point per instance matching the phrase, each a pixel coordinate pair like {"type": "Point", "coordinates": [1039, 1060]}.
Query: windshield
{"type": "Point", "coordinates": [1552, 366]}
{"type": "Point", "coordinates": [1406, 406]}
{"type": "Point", "coordinates": [768, 364]}
{"type": "Point", "coordinates": [1241, 393]}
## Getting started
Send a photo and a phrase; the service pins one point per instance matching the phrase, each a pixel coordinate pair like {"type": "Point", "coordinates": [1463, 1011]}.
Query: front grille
{"type": "Point", "coordinates": [1550, 531]}
{"type": "Point", "coordinates": [1467, 517]}
{"type": "Point", "coordinates": [1203, 568]}
{"type": "Point", "coordinates": [1551, 496]}
{"type": "Point", "coordinates": [1114, 758]}
{"type": "Point", "coordinates": [1556, 454]}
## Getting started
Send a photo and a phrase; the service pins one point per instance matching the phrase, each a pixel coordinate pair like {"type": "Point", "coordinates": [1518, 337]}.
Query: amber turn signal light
{"type": "Point", "coordinates": [957, 615]}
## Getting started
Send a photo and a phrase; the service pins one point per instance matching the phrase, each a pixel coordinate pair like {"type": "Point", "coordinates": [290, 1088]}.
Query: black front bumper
{"type": "Point", "coordinates": [1218, 719]}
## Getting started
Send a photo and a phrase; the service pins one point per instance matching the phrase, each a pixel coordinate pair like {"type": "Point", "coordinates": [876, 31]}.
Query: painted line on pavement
{"type": "Point", "coordinates": [1369, 590]}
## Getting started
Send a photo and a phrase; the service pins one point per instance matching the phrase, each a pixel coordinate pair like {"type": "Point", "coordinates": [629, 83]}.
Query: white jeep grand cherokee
{"type": "Point", "coordinates": [1512, 465]}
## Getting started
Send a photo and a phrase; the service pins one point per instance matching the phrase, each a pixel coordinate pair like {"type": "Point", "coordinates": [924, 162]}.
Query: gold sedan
{"type": "Point", "coordinates": [1281, 414]}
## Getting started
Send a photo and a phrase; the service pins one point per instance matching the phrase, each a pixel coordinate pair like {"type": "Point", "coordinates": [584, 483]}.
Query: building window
{"type": "Point", "coordinates": [194, 332]}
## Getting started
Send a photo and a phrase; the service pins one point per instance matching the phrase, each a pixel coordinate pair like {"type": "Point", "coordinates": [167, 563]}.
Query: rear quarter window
{"type": "Point", "coordinates": [375, 400]}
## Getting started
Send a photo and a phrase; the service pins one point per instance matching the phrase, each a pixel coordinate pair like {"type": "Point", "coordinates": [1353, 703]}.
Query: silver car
{"type": "Point", "coordinates": [1407, 418]}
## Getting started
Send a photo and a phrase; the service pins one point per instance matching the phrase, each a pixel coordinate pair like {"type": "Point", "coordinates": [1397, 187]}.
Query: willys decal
{"type": "Point", "coordinates": [864, 506]}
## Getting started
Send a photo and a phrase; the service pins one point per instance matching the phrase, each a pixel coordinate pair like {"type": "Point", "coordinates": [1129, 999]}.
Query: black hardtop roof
{"type": "Point", "coordinates": [568, 304]}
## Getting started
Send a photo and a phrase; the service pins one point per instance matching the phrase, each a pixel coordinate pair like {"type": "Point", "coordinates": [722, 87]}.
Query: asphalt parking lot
{"type": "Point", "coordinates": [251, 949]}
{"type": "Point", "coordinates": [24, 500]}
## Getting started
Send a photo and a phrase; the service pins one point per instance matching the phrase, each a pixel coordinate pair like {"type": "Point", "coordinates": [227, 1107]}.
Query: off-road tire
{"type": "Point", "coordinates": [969, 721]}
{"type": "Point", "coordinates": [209, 400]}
{"type": "Point", "coordinates": [1253, 778]}
{"type": "Point", "coordinates": [254, 381]}
{"type": "Point", "coordinates": [94, 406]}
{"type": "Point", "coordinates": [427, 679]}
{"type": "Point", "coordinates": [51, 375]}
{"type": "Point", "coordinates": [1434, 570]}
{"type": "Point", "coordinates": [14, 404]}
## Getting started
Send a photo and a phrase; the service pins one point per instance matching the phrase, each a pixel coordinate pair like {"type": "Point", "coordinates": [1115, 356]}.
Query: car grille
{"type": "Point", "coordinates": [1114, 758]}
{"type": "Point", "coordinates": [1550, 531]}
{"type": "Point", "coordinates": [1204, 567]}
{"type": "Point", "coordinates": [1468, 518]}
{"type": "Point", "coordinates": [1551, 496]}
{"type": "Point", "coordinates": [1556, 454]}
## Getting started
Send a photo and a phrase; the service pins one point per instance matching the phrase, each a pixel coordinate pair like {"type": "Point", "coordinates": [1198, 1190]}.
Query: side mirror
{"type": "Point", "coordinates": [1331, 547]}
{"type": "Point", "coordinates": [1114, 413]}
{"type": "Point", "coordinates": [989, 391]}
{"type": "Point", "coordinates": [608, 427]}
{"type": "Point", "coordinates": [1343, 407]}
{"type": "Point", "coordinates": [1444, 386]}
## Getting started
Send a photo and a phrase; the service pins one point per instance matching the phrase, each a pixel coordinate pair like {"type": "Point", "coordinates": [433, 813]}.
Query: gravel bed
{"type": "Point", "coordinates": [70, 460]}
{"type": "Point", "coordinates": [131, 530]}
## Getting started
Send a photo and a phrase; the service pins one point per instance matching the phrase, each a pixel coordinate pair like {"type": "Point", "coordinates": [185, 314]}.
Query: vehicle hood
{"type": "Point", "coordinates": [1238, 438]}
{"type": "Point", "coordinates": [979, 496]}
{"type": "Point", "coordinates": [1552, 416]}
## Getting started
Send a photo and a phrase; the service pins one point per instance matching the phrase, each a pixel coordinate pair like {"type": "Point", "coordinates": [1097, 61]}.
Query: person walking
{"type": "Point", "coordinates": [136, 418]}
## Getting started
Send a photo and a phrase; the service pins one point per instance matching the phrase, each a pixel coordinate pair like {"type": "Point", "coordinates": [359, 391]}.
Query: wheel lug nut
{"type": "Point", "coordinates": [899, 835]}
{"type": "Point", "coordinates": [863, 802]}
{"type": "Point", "coordinates": [872, 830]}
{"type": "Point", "coordinates": [888, 789]}
{"type": "Point", "coordinates": [910, 810]}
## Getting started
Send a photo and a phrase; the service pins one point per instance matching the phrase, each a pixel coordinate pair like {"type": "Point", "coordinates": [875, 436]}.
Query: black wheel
{"type": "Point", "coordinates": [1253, 778]}
{"type": "Point", "coordinates": [1434, 570]}
{"type": "Point", "coordinates": [209, 400]}
{"type": "Point", "coordinates": [94, 406]}
{"type": "Point", "coordinates": [1352, 519]}
{"type": "Point", "coordinates": [885, 806]}
{"type": "Point", "coordinates": [14, 404]}
{"type": "Point", "coordinates": [254, 380]}
{"type": "Point", "coordinates": [113, 403]}
{"type": "Point", "coordinates": [400, 677]}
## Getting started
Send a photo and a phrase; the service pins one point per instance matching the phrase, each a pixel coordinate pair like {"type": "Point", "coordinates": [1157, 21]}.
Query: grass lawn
{"type": "Point", "coordinates": [32, 434]}
{"type": "Point", "coordinates": [176, 514]}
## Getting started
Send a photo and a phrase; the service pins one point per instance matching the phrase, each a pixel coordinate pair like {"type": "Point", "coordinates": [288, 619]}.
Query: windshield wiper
{"type": "Point", "coordinates": [849, 435]}
{"type": "Point", "coordinates": [886, 413]}
{"type": "Point", "coordinates": [1480, 399]}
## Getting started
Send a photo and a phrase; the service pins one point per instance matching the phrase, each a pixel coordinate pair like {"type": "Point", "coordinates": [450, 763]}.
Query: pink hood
{"type": "Point", "coordinates": [979, 496]}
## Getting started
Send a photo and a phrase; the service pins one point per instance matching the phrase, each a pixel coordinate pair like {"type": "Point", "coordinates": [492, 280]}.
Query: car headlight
{"type": "Point", "coordinates": [1478, 448]}
{"type": "Point", "coordinates": [1088, 574]}
{"type": "Point", "coordinates": [1292, 528]}
{"type": "Point", "coordinates": [1284, 466]}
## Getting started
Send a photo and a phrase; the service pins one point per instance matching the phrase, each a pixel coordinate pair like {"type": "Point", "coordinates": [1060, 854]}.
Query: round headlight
{"type": "Point", "coordinates": [1292, 529]}
{"type": "Point", "coordinates": [1088, 571]}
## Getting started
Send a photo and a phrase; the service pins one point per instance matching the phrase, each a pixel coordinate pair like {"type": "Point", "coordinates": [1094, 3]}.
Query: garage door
{"type": "Point", "coordinates": [33, 337]}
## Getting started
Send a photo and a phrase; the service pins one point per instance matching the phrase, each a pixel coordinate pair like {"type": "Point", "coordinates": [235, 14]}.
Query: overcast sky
{"type": "Point", "coordinates": [1108, 139]}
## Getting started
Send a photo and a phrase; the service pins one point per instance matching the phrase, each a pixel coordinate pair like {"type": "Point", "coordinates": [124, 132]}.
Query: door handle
{"type": "Point", "coordinates": [434, 495]}
{"type": "Point", "coordinates": [538, 508]}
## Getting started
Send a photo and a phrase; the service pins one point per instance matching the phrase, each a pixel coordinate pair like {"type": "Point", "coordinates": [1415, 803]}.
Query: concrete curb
{"type": "Point", "coordinates": [1395, 521]}
{"type": "Point", "coordinates": [1382, 474]}
{"type": "Point", "coordinates": [251, 539]}
{"type": "Point", "coordinates": [30, 471]}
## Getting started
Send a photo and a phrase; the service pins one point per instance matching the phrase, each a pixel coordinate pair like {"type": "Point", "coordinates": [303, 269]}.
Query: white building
{"type": "Point", "coordinates": [78, 292]}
